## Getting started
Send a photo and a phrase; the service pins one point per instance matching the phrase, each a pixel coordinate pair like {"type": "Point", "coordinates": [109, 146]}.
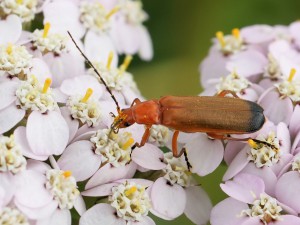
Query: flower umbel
{"type": "Point", "coordinates": [12, 216]}
{"type": "Point", "coordinates": [131, 201]}
{"type": "Point", "coordinates": [233, 82]}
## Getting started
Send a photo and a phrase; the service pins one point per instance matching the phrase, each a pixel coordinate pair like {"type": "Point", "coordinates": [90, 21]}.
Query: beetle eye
{"type": "Point", "coordinates": [126, 124]}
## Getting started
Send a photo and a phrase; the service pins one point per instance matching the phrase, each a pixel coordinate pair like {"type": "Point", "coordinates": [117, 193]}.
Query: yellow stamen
{"type": "Point", "coordinates": [236, 33]}
{"type": "Point", "coordinates": [46, 30]}
{"type": "Point", "coordinates": [47, 84]}
{"type": "Point", "coordinates": [125, 64]}
{"type": "Point", "coordinates": [131, 191]}
{"type": "Point", "coordinates": [9, 49]}
{"type": "Point", "coordinates": [252, 143]}
{"type": "Point", "coordinates": [67, 173]}
{"type": "Point", "coordinates": [9, 158]}
{"type": "Point", "coordinates": [128, 143]}
{"type": "Point", "coordinates": [88, 94]}
{"type": "Point", "coordinates": [292, 74]}
{"type": "Point", "coordinates": [19, 2]}
{"type": "Point", "coordinates": [112, 12]}
{"type": "Point", "coordinates": [220, 37]}
{"type": "Point", "coordinates": [109, 60]}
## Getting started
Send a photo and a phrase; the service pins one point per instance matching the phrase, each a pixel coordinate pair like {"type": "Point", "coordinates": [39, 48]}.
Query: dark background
{"type": "Point", "coordinates": [181, 31]}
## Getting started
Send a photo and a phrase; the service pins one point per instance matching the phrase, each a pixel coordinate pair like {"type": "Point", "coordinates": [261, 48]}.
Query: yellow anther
{"type": "Point", "coordinates": [9, 158]}
{"type": "Point", "coordinates": [252, 143]}
{"type": "Point", "coordinates": [46, 30]}
{"type": "Point", "coordinates": [109, 60]}
{"type": "Point", "coordinates": [292, 74]}
{"type": "Point", "coordinates": [67, 173]}
{"type": "Point", "coordinates": [88, 94]}
{"type": "Point", "coordinates": [125, 64]}
{"type": "Point", "coordinates": [128, 143]}
{"type": "Point", "coordinates": [220, 37]}
{"type": "Point", "coordinates": [112, 12]}
{"type": "Point", "coordinates": [9, 49]}
{"type": "Point", "coordinates": [236, 33]}
{"type": "Point", "coordinates": [47, 84]}
{"type": "Point", "coordinates": [19, 2]}
{"type": "Point", "coordinates": [131, 191]}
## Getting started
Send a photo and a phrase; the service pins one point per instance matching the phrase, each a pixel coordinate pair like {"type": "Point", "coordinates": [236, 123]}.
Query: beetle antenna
{"type": "Point", "coordinates": [96, 71]}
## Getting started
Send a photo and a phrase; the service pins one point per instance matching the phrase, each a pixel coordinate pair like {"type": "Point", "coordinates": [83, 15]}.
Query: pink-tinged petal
{"type": "Point", "coordinates": [145, 221]}
{"type": "Point", "coordinates": [7, 184]}
{"type": "Point", "coordinates": [238, 163]}
{"type": "Point", "coordinates": [100, 191]}
{"type": "Point", "coordinates": [249, 94]}
{"type": "Point", "coordinates": [21, 139]}
{"type": "Point", "coordinates": [149, 157]}
{"type": "Point", "coordinates": [98, 47]}
{"type": "Point", "coordinates": [277, 109]}
{"type": "Point", "coordinates": [40, 69]}
{"type": "Point", "coordinates": [283, 135]}
{"type": "Point", "coordinates": [247, 63]}
{"type": "Point", "coordinates": [244, 187]}
{"type": "Point", "coordinates": [198, 205]}
{"type": "Point", "coordinates": [287, 190]}
{"type": "Point", "coordinates": [282, 165]}
{"type": "Point", "coordinates": [294, 125]}
{"type": "Point", "coordinates": [286, 220]}
{"type": "Point", "coordinates": [78, 86]}
{"type": "Point", "coordinates": [204, 154]}
{"type": "Point", "coordinates": [296, 144]}
{"type": "Point", "coordinates": [72, 123]}
{"type": "Point", "coordinates": [146, 48]}
{"type": "Point", "coordinates": [294, 29]}
{"type": "Point", "coordinates": [11, 29]}
{"type": "Point", "coordinates": [228, 212]}
{"type": "Point", "coordinates": [232, 148]}
{"type": "Point", "coordinates": [7, 93]}
{"type": "Point", "coordinates": [80, 158]}
{"type": "Point", "coordinates": [55, 10]}
{"type": "Point", "coordinates": [287, 209]}
{"type": "Point", "coordinates": [280, 48]}
{"type": "Point", "coordinates": [252, 221]}
{"type": "Point", "coordinates": [79, 205]}
{"type": "Point", "coordinates": [101, 214]}
{"type": "Point", "coordinates": [163, 201]}
{"type": "Point", "coordinates": [257, 34]}
{"type": "Point", "coordinates": [212, 67]}
{"type": "Point", "coordinates": [266, 173]}
{"type": "Point", "coordinates": [40, 212]}
{"type": "Point", "coordinates": [143, 182]}
{"type": "Point", "coordinates": [108, 173]}
{"type": "Point", "coordinates": [31, 190]}
{"type": "Point", "coordinates": [59, 96]}
{"type": "Point", "coordinates": [9, 117]}
{"type": "Point", "coordinates": [47, 134]}
{"type": "Point", "coordinates": [38, 166]}
{"type": "Point", "coordinates": [59, 217]}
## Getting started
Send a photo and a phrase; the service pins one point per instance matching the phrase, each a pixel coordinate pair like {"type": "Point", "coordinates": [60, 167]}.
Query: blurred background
{"type": "Point", "coordinates": [181, 33]}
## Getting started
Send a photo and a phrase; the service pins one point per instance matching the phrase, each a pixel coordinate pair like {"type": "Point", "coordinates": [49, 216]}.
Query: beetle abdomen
{"type": "Point", "coordinates": [211, 114]}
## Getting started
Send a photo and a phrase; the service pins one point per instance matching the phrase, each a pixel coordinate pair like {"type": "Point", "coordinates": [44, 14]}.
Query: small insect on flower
{"type": "Point", "coordinates": [217, 116]}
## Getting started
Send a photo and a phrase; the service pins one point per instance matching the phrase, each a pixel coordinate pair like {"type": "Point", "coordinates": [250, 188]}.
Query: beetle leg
{"type": "Point", "coordinates": [144, 138]}
{"type": "Point", "coordinates": [226, 92]}
{"type": "Point", "coordinates": [182, 151]}
{"type": "Point", "coordinates": [226, 137]}
{"type": "Point", "coordinates": [135, 101]}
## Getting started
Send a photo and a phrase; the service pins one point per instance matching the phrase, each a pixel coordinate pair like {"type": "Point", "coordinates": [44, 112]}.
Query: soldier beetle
{"type": "Point", "coordinates": [218, 116]}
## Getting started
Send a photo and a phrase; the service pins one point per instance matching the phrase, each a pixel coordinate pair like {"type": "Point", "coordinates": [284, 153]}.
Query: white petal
{"type": "Point", "coordinates": [79, 205]}
{"type": "Point", "coordinates": [101, 214]}
{"type": "Point", "coordinates": [47, 134]}
{"type": "Point", "coordinates": [59, 217]}
{"type": "Point", "coordinates": [72, 123]}
{"type": "Point", "coordinates": [7, 93]}
{"type": "Point", "coordinates": [41, 70]}
{"type": "Point", "coordinates": [9, 117]}
{"type": "Point", "coordinates": [146, 221]}
{"type": "Point", "coordinates": [146, 48]}
{"type": "Point", "coordinates": [98, 191]}
{"type": "Point", "coordinates": [11, 29]}
{"type": "Point", "coordinates": [80, 158]}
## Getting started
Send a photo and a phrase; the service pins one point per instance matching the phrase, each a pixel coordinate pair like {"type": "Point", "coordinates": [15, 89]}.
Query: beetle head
{"type": "Point", "coordinates": [122, 120]}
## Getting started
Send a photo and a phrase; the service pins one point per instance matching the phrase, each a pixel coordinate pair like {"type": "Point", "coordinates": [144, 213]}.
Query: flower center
{"type": "Point", "coordinates": [131, 201]}
{"type": "Point", "coordinates": [12, 216]}
{"type": "Point", "coordinates": [159, 134]}
{"type": "Point", "coordinates": [95, 17]}
{"type": "Point", "coordinates": [133, 11]}
{"type": "Point", "coordinates": [296, 163]}
{"type": "Point", "coordinates": [62, 186]}
{"type": "Point", "coordinates": [290, 87]}
{"type": "Point", "coordinates": [49, 42]}
{"type": "Point", "coordinates": [266, 208]}
{"type": "Point", "coordinates": [114, 148]}
{"type": "Point", "coordinates": [85, 109]}
{"type": "Point", "coordinates": [176, 170]}
{"type": "Point", "coordinates": [25, 9]}
{"type": "Point", "coordinates": [31, 95]}
{"type": "Point", "coordinates": [233, 82]}
{"type": "Point", "coordinates": [230, 44]}
{"type": "Point", "coordinates": [14, 59]}
{"type": "Point", "coordinates": [265, 151]}
{"type": "Point", "coordinates": [11, 158]}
